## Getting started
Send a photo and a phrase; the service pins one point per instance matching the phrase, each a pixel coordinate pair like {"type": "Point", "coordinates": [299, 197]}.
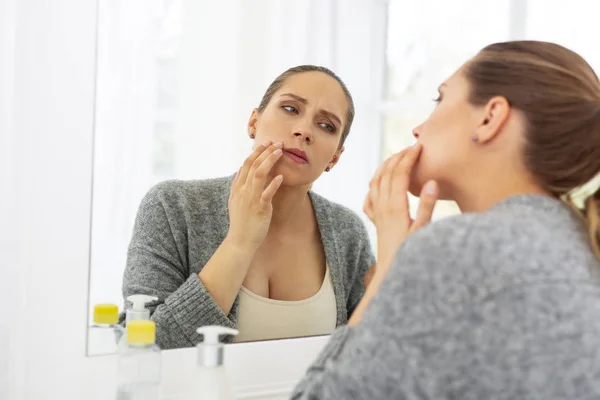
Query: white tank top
{"type": "Point", "coordinates": [261, 318]}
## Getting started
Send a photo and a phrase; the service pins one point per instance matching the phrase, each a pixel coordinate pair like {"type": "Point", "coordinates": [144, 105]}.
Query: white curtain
{"type": "Point", "coordinates": [11, 283]}
{"type": "Point", "coordinates": [125, 110]}
{"type": "Point", "coordinates": [177, 81]}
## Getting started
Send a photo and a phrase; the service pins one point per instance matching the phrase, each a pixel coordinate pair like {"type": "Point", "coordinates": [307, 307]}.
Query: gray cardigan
{"type": "Point", "coordinates": [179, 226]}
{"type": "Point", "coordinates": [500, 305]}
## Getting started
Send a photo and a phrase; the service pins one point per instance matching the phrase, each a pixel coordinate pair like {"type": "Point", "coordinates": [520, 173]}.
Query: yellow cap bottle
{"type": "Point", "coordinates": [106, 314]}
{"type": "Point", "coordinates": [139, 363]}
{"type": "Point", "coordinates": [105, 332]}
{"type": "Point", "coordinates": [141, 332]}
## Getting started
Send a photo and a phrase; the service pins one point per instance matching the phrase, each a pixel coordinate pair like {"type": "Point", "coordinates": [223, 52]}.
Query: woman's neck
{"type": "Point", "coordinates": [481, 196]}
{"type": "Point", "coordinates": [291, 205]}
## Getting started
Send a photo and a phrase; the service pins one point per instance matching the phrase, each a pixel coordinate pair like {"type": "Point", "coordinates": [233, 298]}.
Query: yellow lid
{"type": "Point", "coordinates": [141, 332]}
{"type": "Point", "coordinates": [106, 314]}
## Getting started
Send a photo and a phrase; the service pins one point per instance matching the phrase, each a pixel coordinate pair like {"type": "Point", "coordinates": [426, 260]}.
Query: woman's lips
{"type": "Point", "coordinates": [297, 155]}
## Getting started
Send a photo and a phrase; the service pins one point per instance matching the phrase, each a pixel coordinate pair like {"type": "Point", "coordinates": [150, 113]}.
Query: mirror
{"type": "Point", "coordinates": [177, 81]}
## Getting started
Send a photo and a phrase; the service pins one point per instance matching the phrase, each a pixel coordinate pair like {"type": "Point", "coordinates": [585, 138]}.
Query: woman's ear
{"type": "Point", "coordinates": [253, 122]}
{"type": "Point", "coordinates": [494, 117]}
{"type": "Point", "coordinates": [335, 158]}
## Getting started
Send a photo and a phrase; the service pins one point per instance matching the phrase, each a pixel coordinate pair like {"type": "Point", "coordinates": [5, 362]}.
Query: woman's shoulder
{"type": "Point", "coordinates": [528, 234]}
{"type": "Point", "coordinates": [206, 195]}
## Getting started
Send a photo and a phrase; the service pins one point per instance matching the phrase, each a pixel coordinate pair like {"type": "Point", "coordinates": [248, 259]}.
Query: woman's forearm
{"type": "Point", "coordinates": [371, 290]}
{"type": "Point", "coordinates": [224, 274]}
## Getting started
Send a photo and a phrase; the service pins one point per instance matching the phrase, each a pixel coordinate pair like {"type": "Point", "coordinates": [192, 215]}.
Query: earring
{"type": "Point", "coordinates": [327, 169]}
{"type": "Point", "coordinates": [252, 136]}
{"type": "Point", "coordinates": [475, 139]}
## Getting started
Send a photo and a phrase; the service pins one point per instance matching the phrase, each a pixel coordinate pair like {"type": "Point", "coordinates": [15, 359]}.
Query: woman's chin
{"type": "Point", "coordinates": [416, 182]}
{"type": "Point", "coordinates": [415, 189]}
{"type": "Point", "coordinates": [291, 178]}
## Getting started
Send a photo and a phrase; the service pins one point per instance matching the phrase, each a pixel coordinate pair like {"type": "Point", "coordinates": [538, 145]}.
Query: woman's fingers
{"type": "Point", "coordinates": [261, 158]}
{"type": "Point", "coordinates": [385, 182]}
{"type": "Point", "coordinates": [261, 169]}
{"type": "Point", "coordinates": [368, 208]}
{"type": "Point", "coordinates": [379, 171]}
{"type": "Point", "coordinates": [375, 183]}
{"type": "Point", "coordinates": [271, 189]}
{"type": "Point", "coordinates": [242, 175]}
{"type": "Point", "coordinates": [427, 200]}
{"type": "Point", "coordinates": [401, 174]}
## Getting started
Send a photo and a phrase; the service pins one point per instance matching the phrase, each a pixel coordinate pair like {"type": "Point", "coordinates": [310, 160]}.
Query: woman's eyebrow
{"type": "Point", "coordinates": [322, 111]}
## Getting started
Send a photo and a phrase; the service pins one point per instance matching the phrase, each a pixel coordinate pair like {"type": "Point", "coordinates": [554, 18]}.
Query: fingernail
{"type": "Point", "coordinates": [267, 143]}
{"type": "Point", "coordinates": [278, 151]}
{"type": "Point", "coordinates": [278, 144]}
{"type": "Point", "coordinates": [279, 177]}
{"type": "Point", "coordinates": [430, 188]}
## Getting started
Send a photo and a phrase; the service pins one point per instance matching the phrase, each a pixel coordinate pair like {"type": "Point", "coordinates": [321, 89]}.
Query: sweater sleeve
{"type": "Point", "coordinates": [157, 266]}
{"type": "Point", "coordinates": [364, 262]}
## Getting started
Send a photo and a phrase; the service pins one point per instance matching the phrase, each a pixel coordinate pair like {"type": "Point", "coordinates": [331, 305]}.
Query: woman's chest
{"type": "Point", "coordinates": [289, 269]}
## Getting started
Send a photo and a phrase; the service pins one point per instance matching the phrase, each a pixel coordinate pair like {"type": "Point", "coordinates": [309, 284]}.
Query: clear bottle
{"type": "Point", "coordinates": [138, 311]}
{"type": "Point", "coordinates": [139, 369]}
{"type": "Point", "coordinates": [105, 332]}
{"type": "Point", "coordinates": [212, 382]}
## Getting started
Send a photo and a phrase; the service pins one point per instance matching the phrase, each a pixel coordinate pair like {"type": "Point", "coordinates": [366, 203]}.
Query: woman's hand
{"type": "Point", "coordinates": [387, 204]}
{"type": "Point", "coordinates": [387, 207]}
{"type": "Point", "coordinates": [250, 207]}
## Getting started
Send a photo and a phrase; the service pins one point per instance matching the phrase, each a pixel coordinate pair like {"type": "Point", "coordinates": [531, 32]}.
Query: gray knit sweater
{"type": "Point", "coordinates": [499, 305]}
{"type": "Point", "coordinates": [179, 226]}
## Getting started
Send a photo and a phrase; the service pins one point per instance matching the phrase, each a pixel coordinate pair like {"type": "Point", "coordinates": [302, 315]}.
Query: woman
{"type": "Point", "coordinates": [501, 302]}
{"type": "Point", "coordinates": [259, 252]}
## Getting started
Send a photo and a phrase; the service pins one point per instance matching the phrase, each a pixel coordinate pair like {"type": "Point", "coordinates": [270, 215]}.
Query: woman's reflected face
{"type": "Point", "coordinates": [307, 114]}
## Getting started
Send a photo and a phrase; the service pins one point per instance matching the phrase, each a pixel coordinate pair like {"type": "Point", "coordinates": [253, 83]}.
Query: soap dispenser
{"type": "Point", "coordinates": [137, 312]}
{"type": "Point", "coordinates": [212, 382]}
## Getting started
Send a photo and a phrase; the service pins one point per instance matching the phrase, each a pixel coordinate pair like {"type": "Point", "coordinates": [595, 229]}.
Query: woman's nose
{"type": "Point", "coordinates": [304, 133]}
{"type": "Point", "coordinates": [303, 136]}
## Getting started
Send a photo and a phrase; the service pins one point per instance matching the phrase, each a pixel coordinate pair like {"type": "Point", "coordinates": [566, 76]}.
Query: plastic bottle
{"type": "Point", "coordinates": [137, 312]}
{"type": "Point", "coordinates": [139, 369]}
{"type": "Point", "coordinates": [211, 381]}
{"type": "Point", "coordinates": [105, 332]}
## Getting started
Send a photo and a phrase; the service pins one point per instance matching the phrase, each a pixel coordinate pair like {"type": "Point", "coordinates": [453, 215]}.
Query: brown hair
{"type": "Point", "coordinates": [280, 80]}
{"type": "Point", "coordinates": [559, 95]}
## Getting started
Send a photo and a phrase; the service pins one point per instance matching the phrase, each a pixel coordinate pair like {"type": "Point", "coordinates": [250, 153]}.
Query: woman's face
{"type": "Point", "coordinates": [307, 114]}
{"type": "Point", "coordinates": [446, 137]}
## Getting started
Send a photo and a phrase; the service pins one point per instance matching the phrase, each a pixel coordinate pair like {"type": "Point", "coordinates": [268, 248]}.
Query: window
{"type": "Point", "coordinates": [428, 40]}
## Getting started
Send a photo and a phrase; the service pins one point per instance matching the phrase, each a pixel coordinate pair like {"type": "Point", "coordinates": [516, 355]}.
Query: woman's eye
{"type": "Point", "coordinates": [290, 109]}
{"type": "Point", "coordinates": [328, 127]}
{"type": "Point", "coordinates": [438, 99]}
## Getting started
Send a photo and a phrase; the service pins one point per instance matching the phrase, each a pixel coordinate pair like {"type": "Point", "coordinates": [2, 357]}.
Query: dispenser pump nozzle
{"type": "Point", "coordinates": [138, 311]}
{"type": "Point", "coordinates": [210, 350]}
